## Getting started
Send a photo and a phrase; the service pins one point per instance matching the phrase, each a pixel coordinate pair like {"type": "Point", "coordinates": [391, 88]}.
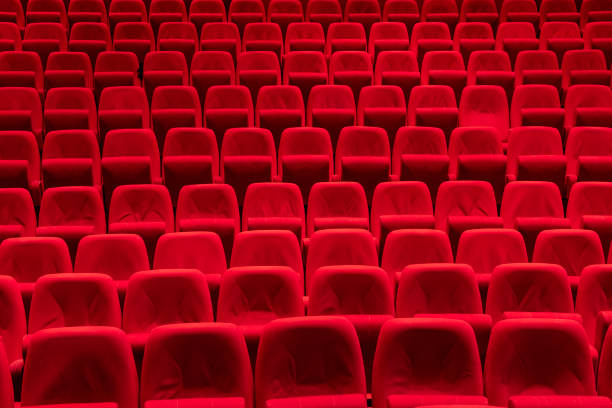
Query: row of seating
{"type": "Point", "coordinates": [208, 364]}
{"type": "Point", "coordinates": [283, 12]}
{"type": "Point", "coordinates": [139, 38]}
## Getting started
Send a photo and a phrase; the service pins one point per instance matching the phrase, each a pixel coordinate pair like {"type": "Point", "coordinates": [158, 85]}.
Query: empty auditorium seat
{"type": "Point", "coordinates": [274, 206]}
{"type": "Point", "coordinates": [46, 11]}
{"type": "Point", "coordinates": [284, 13]}
{"type": "Point", "coordinates": [243, 12]}
{"type": "Point", "coordinates": [570, 248]}
{"type": "Point", "coordinates": [70, 108]}
{"type": "Point", "coordinates": [558, 10]}
{"type": "Point", "coordinates": [306, 36]}
{"type": "Point", "coordinates": [263, 37]}
{"type": "Point", "coordinates": [402, 11]}
{"type": "Point", "coordinates": [536, 105]}
{"type": "Point", "coordinates": [443, 11]}
{"type": "Point", "coordinates": [337, 205]}
{"type": "Point", "coordinates": [387, 36]}
{"type": "Point", "coordinates": [398, 68]}
{"type": "Point", "coordinates": [383, 106]}
{"type": "Point", "coordinates": [345, 36]}
{"type": "Point", "coordinates": [584, 67]}
{"type": "Point", "coordinates": [129, 156]}
{"type": "Point", "coordinates": [464, 205]}
{"type": "Point", "coordinates": [400, 205]}
{"type": "Point", "coordinates": [305, 157]}
{"type": "Point", "coordinates": [13, 329]}
{"type": "Point", "coordinates": [560, 37]}
{"type": "Point", "coordinates": [220, 36]}
{"type": "Point", "coordinates": [256, 69]}
{"type": "Point", "coordinates": [162, 297]}
{"type": "Point", "coordinates": [439, 364]}
{"type": "Point", "coordinates": [90, 38]}
{"type": "Point", "coordinates": [10, 36]}
{"type": "Point", "coordinates": [17, 216]}
{"type": "Point", "coordinates": [473, 36]}
{"type": "Point", "coordinates": [310, 343]}
{"type": "Point", "coordinates": [227, 107]}
{"type": "Point", "coordinates": [104, 351]}
{"type": "Point", "coordinates": [531, 207]}
{"type": "Point", "coordinates": [540, 361]}
{"type": "Point", "coordinates": [363, 155]}
{"type": "Point", "coordinates": [598, 36]}
{"type": "Point", "coordinates": [414, 246]}
{"type": "Point", "coordinates": [71, 213]}
{"type": "Point", "coordinates": [444, 68]}
{"type": "Point", "coordinates": [20, 109]}
{"type": "Point", "coordinates": [491, 68]}
{"type": "Point", "coordinates": [178, 36]}
{"type": "Point", "coordinates": [87, 11]}
{"type": "Point", "coordinates": [279, 107]}
{"type": "Point", "coordinates": [593, 305]}
{"type": "Point", "coordinates": [190, 156]}
{"type": "Point", "coordinates": [27, 259]}
{"type": "Point", "coordinates": [172, 107]}
{"type": "Point", "coordinates": [529, 290]}
{"type": "Point", "coordinates": [206, 11]}
{"type": "Point", "coordinates": [476, 153]}
{"type": "Point", "coordinates": [362, 294]}
{"type": "Point", "coordinates": [536, 153]}
{"type": "Point", "coordinates": [435, 106]}
{"type": "Point", "coordinates": [594, 10]}
{"type": "Point", "coordinates": [419, 153]}
{"type": "Point", "coordinates": [484, 249]}
{"type": "Point", "coordinates": [163, 11]}
{"type": "Point", "coordinates": [352, 68]}
{"type": "Point", "coordinates": [71, 158]}
{"type": "Point", "coordinates": [479, 10]}
{"type": "Point", "coordinates": [519, 11]}
{"type": "Point", "coordinates": [485, 105]}
{"type": "Point", "coordinates": [515, 37]}
{"type": "Point", "coordinates": [430, 36]}
{"type": "Point", "coordinates": [305, 69]}
{"type": "Point", "coordinates": [279, 285]}
{"type": "Point", "coordinates": [588, 208]}
{"type": "Point", "coordinates": [164, 68]}
{"type": "Point", "coordinates": [209, 68]}
{"type": "Point", "coordinates": [587, 154]}
{"type": "Point", "coordinates": [44, 38]}
{"type": "Point", "coordinates": [134, 36]}
{"type": "Point", "coordinates": [67, 300]}
{"type": "Point", "coordinates": [116, 255]}
{"type": "Point", "coordinates": [143, 209]}
{"type": "Point", "coordinates": [537, 67]}
{"type": "Point", "coordinates": [120, 11]}
{"type": "Point", "coordinates": [20, 162]}
{"type": "Point", "coordinates": [122, 107]}
{"type": "Point", "coordinates": [323, 12]}
{"type": "Point", "coordinates": [115, 69]}
{"type": "Point", "coordinates": [12, 11]}
{"type": "Point", "coordinates": [364, 12]}
{"type": "Point", "coordinates": [588, 105]}
{"type": "Point", "coordinates": [331, 107]}
{"type": "Point", "coordinates": [222, 375]}
{"type": "Point", "coordinates": [248, 155]}
{"type": "Point", "coordinates": [209, 207]}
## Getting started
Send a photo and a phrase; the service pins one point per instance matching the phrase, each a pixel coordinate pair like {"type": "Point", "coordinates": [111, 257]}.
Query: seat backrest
{"type": "Point", "coordinates": [361, 141]}
{"type": "Point", "coordinates": [133, 142]}
{"type": "Point", "coordinates": [464, 198]}
{"type": "Point", "coordinates": [21, 145]}
{"type": "Point", "coordinates": [551, 356]}
{"type": "Point", "coordinates": [270, 200]}
{"type": "Point", "coordinates": [416, 140]}
{"type": "Point", "coordinates": [267, 248]}
{"type": "Point", "coordinates": [13, 327]}
{"type": "Point", "coordinates": [207, 201]}
{"type": "Point", "coordinates": [165, 296]}
{"type": "Point", "coordinates": [589, 198]}
{"type": "Point", "coordinates": [309, 343]}
{"type": "Point", "coordinates": [201, 250]}
{"type": "Point", "coordinates": [485, 248]}
{"type": "Point", "coordinates": [532, 140]}
{"type": "Point", "coordinates": [72, 206]}
{"type": "Point", "coordinates": [27, 259]}
{"type": "Point", "coordinates": [585, 96]}
{"type": "Point", "coordinates": [248, 142]}
{"type": "Point", "coordinates": [78, 143]}
{"type": "Point", "coordinates": [484, 105]}
{"type": "Point", "coordinates": [17, 209]}
{"type": "Point", "coordinates": [594, 296]}
{"type": "Point", "coordinates": [586, 141]}
{"type": "Point", "coordinates": [335, 199]}
{"type": "Point", "coordinates": [429, 96]}
{"type": "Point", "coordinates": [192, 142]}
{"type": "Point", "coordinates": [532, 96]}
{"type": "Point", "coordinates": [530, 199]}
{"type": "Point", "coordinates": [141, 203]}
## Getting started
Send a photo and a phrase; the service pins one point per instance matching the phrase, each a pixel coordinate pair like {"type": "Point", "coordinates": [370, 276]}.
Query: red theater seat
{"type": "Point", "coordinates": [592, 303]}
{"type": "Point", "coordinates": [434, 352]}
{"type": "Point", "coordinates": [520, 11]}
{"type": "Point", "coordinates": [10, 36]}
{"type": "Point", "coordinates": [178, 36]}
{"type": "Point", "coordinates": [274, 206]}
{"type": "Point", "coordinates": [485, 105]}
{"type": "Point", "coordinates": [134, 36]}
{"type": "Point", "coordinates": [127, 11]}
{"type": "Point", "coordinates": [66, 69]}
{"type": "Point", "coordinates": [164, 68]}
{"type": "Point", "coordinates": [382, 106]}
{"type": "Point", "coordinates": [54, 351]}
{"type": "Point", "coordinates": [223, 375]}
{"type": "Point", "coordinates": [122, 107]}
{"type": "Point", "coordinates": [11, 11]}
{"type": "Point", "coordinates": [172, 107]}
{"type": "Point", "coordinates": [90, 38]}
{"type": "Point", "coordinates": [17, 216]}
{"type": "Point", "coordinates": [331, 107]}
{"type": "Point", "coordinates": [116, 255]}
{"type": "Point", "coordinates": [309, 343]}
{"type": "Point", "coordinates": [430, 36]}
{"type": "Point", "coordinates": [263, 37]}
{"type": "Point", "coordinates": [115, 69]}
{"type": "Point", "coordinates": [595, 10]}
{"type": "Point", "coordinates": [305, 69]}
{"type": "Point", "coordinates": [419, 153]}
{"type": "Point", "coordinates": [398, 68]}
{"type": "Point", "coordinates": [209, 207]}
{"type": "Point", "coordinates": [387, 36]}
{"type": "Point", "coordinates": [558, 10]}
{"type": "Point", "coordinates": [190, 156]}
{"type": "Point", "coordinates": [285, 12]}
{"type": "Point", "coordinates": [20, 109]}
{"type": "Point", "coordinates": [20, 162]}
{"type": "Point", "coordinates": [479, 10]}
{"type": "Point", "coordinates": [162, 11]}
{"type": "Point", "coordinates": [46, 11]}
{"type": "Point", "coordinates": [87, 11]}
{"type": "Point", "coordinates": [537, 67]}
{"type": "Point", "coordinates": [444, 68]}
{"type": "Point", "coordinates": [307, 36]}
{"type": "Point", "coordinates": [364, 12]}
{"type": "Point", "coordinates": [323, 12]}
{"type": "Point", "coordinates": [598, 36]}
{"type": "Point", "coordinates": [70, 108]}
{"type": "Point", "coordinates": [227, 107]}
{"type": "Point", "coordinates": [584, 67]}
{"type": "Point", "coordinates": [305, 157]}
{"type": "Point", "coordinates": [209, 68]}
{"type": "Point", "coordinates": [515, 37]}
{"type": "Point", "coordinates": [587, 151]}
{"type": "Point", "coordinates": [560, 37]}
{"type": "Point", "coordinates": [202, 12]}
{"type": "Point", "coordinates": [143, 209]}
{"type": "Point", "coordinates": [588, 105]}
{"type": "Point", "coordinates": [256, 69]}
{"type": "Point", "coordinates": [529, 290]}
{"type": "Point", "coordinates": [414, 246]}
{"type": "Point", "coordinates": [401, 11]}
{"type": "Point", "coordinates": [536, 105]}
{"type": "Point", "coordinates": [433, 106]}
{"type": "Point", "coordinates": [491, 68]}
{"type": "Point", "coordinates": [13, 328]}
{"type": "Point", "coordinates": [220, 36]}
{"type": "Point", "coordinates": [279, 107]}
{"type": "Point", "coordinates": [588, 208]}
{"type": "Point", "coordinates": [443, 11]}
{"type": "Point", "coordinates": [44, 38]}
{"type": "Point", "coordinates": [473, 36]}
{"type": "Point", "coordinates": [243, 12]}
